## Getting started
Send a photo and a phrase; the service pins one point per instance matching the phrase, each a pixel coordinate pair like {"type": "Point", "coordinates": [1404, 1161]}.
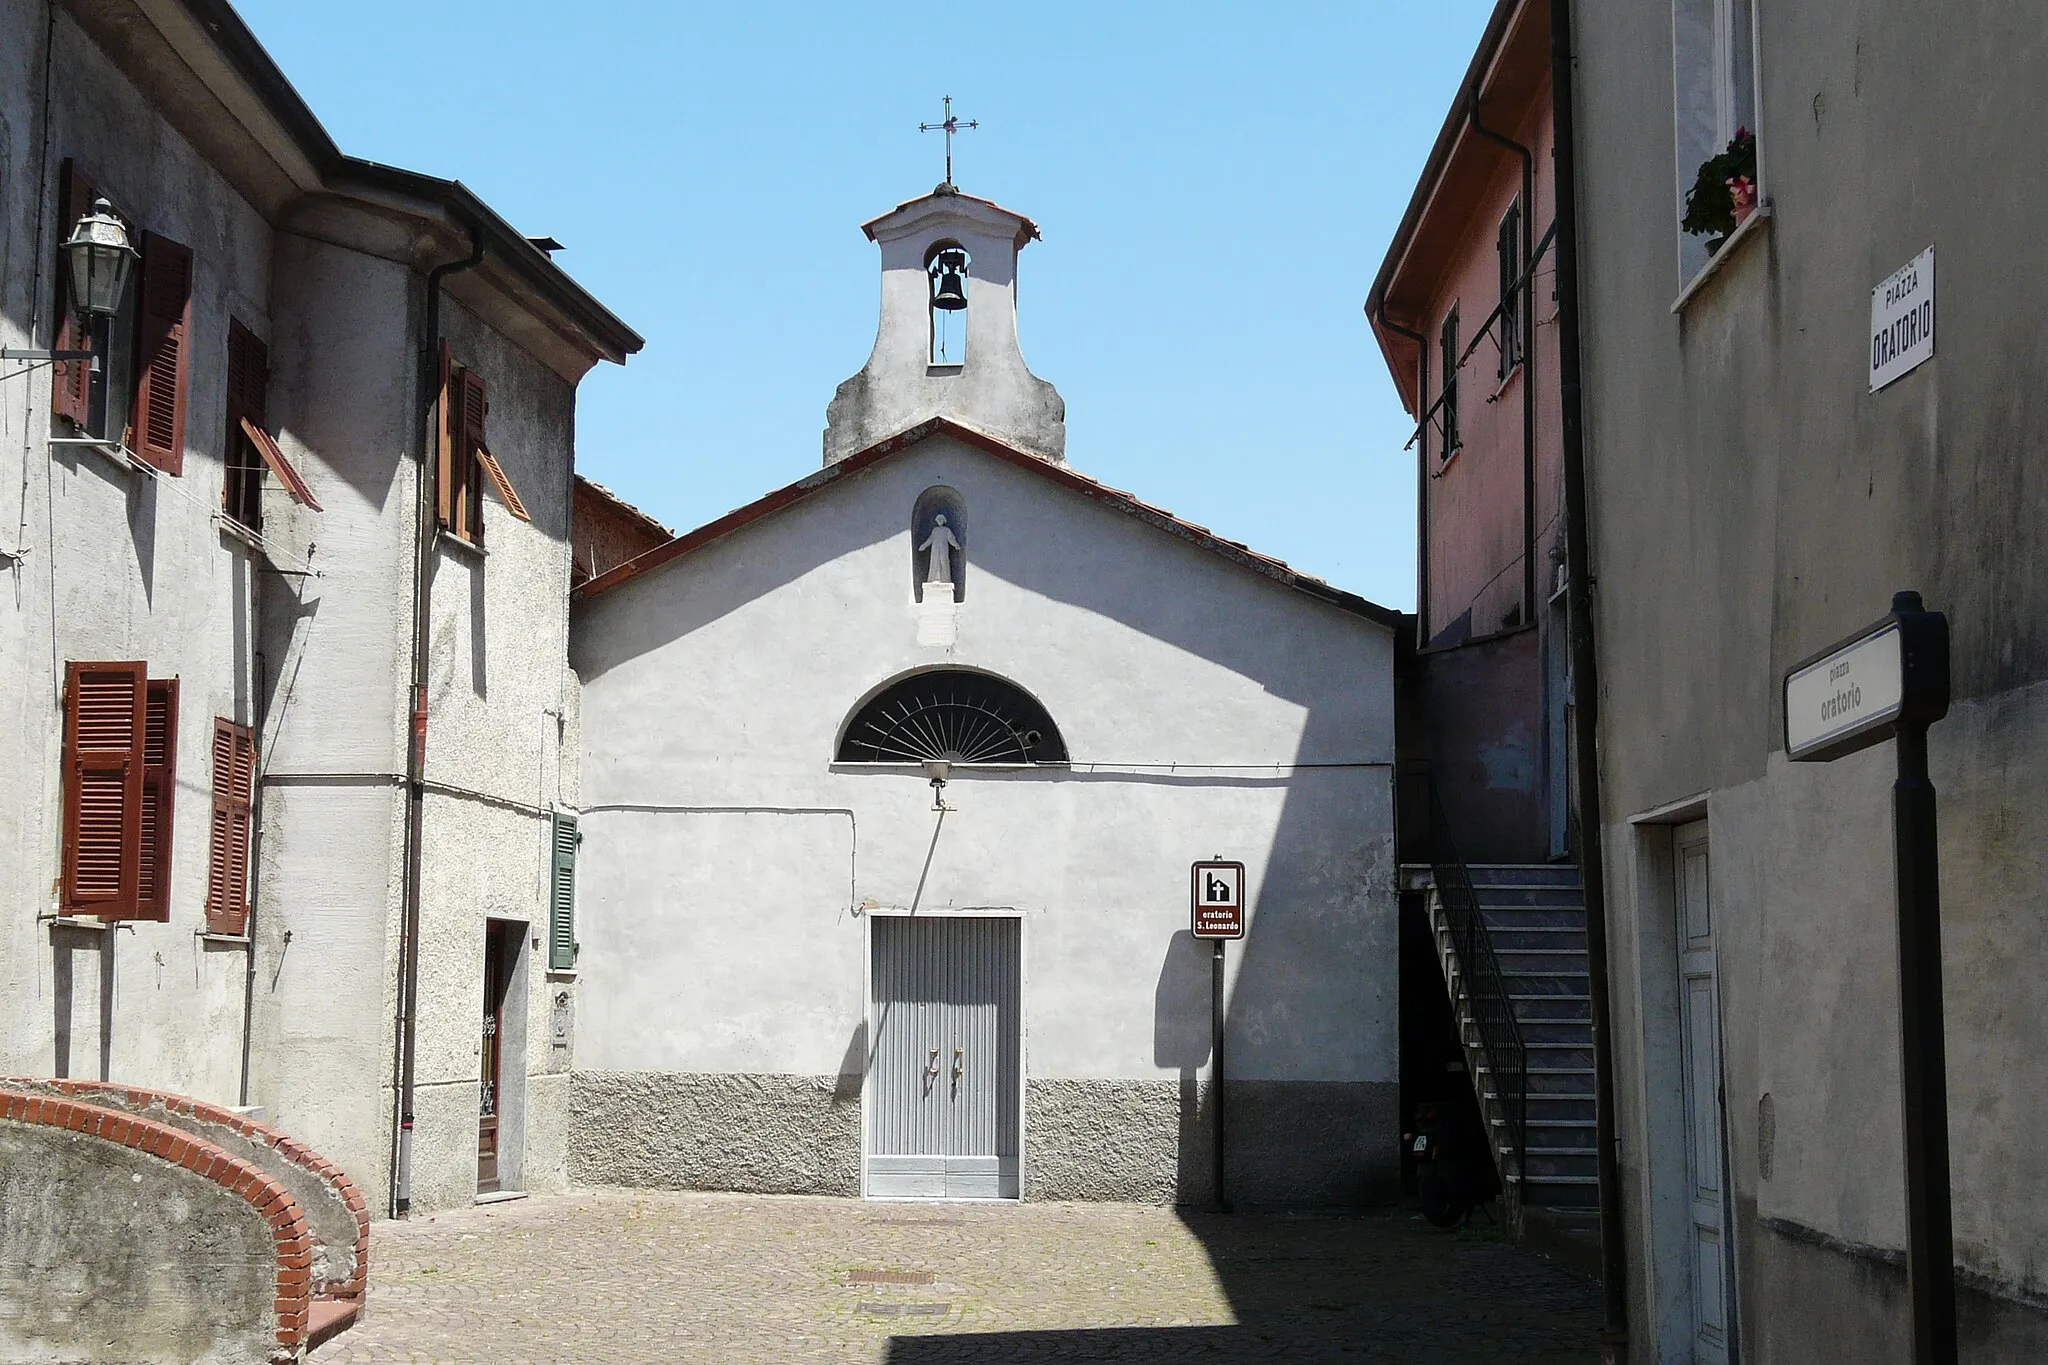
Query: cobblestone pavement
{"type": "Point", "coordinates": [618, 1275]}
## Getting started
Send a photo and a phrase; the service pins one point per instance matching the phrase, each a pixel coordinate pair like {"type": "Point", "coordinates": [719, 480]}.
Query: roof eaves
{"type": "Point", "coordinates": [249, 59]}
{"type": "Point", "coordinates": [1115, 498]}
{"type": "Point", "coordinates": [628, 508]}
{"type": "Point", "coordinates": [1440, 152]}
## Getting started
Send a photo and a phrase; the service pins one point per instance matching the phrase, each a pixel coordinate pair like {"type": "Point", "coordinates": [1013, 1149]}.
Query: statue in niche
{"type": "Point", "coordinates": [941, 544]}
{"type": "Point", "coordinates": [939, 540]}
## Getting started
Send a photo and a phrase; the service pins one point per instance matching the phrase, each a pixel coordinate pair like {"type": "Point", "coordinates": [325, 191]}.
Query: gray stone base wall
{"type": "Point", "coordinates": [757, 1134]}
{"type": "Point", "coordinates": [1297, 1144]}
{"type": "Point", "coordinates": [1289, 1143]}
{"type": "Point", "coordinates": [1811, 1297]}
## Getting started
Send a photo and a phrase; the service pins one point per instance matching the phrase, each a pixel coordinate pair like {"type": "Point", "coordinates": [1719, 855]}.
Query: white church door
{"type": "Point", "coordinates": [1706, 1147]}
{"type": "Point", "coordinates": [943, 1081]}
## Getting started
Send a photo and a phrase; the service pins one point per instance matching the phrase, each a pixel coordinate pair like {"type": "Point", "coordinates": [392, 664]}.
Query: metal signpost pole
{"type": "Point", "coordinates": [1891, 681]}
{"type": "Point", "coordinates": [1930, 1258]}
{"type": "Point", "coordinates": [1216, 1064]}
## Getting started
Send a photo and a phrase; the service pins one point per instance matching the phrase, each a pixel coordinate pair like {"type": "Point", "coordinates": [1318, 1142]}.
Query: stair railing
{"type": "Point", "coordinates": [1485, 984]}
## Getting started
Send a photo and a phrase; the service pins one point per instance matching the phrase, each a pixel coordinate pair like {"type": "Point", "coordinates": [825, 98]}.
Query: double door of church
{"type": "Point", "coordinates": [944, 1076]}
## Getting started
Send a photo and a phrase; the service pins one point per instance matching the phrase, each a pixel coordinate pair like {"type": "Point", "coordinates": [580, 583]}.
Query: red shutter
{"type": "Point", "coordinates": [163, 353]}
{"type": "Point", "coordinates": [227, 864]}
{"type": "Point", "coordinates": [105, 706]}
{"type": "Point", "coordinates": [159, 791]}
{"type": "Point", "coordinates": [71, 392]}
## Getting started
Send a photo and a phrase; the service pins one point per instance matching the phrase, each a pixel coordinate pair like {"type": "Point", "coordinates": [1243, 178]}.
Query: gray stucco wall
{"type": "Point", "coordinates": [1185, 688]}
{"type": "Point", "coordinates": [118, 565]}
{"type": "Point", "coordinates": [1753, 502]}
{"type": "Point", "coordinates": [102, 1243]}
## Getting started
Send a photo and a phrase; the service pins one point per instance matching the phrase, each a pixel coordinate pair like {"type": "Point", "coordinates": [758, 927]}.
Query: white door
{"type": "Point", "coordinates": [942, 1088]}
{"type": "Point", "coordinates": [1706, 1163]}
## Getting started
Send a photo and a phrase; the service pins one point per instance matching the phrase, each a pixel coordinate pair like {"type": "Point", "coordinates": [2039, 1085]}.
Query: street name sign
{"type": "Point", "coordinates": [1856, 693]}
{"type": "Point", "coordinates": [1902, 320]}
{"type": "Point", "coordinates": [1217, 892]}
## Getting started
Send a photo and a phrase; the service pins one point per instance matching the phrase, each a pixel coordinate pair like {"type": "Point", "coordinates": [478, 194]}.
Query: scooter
{"type": "Point", "coordinates": [1451, 1180]}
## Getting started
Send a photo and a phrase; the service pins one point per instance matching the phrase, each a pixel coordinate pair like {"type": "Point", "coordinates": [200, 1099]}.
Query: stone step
{"type": "Point", "coordinates": [1541, 938]}
{"type": "Point", "coordinates": [1525, 874]}
{"type": "Point", "coordinates": [1513, 898]}
{"type": "Point", "coordinates": [1532, 917]}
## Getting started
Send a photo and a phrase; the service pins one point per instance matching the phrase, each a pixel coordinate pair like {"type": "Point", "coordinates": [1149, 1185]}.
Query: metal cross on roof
{"type": "Point", "coordinates": [949, 125]}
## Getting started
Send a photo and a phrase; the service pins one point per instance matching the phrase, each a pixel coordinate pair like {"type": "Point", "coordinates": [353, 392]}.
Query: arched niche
{"type": "Point", "coordinates": [940, 500]}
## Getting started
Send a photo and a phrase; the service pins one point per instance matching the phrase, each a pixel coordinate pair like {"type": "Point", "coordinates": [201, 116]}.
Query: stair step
{"type": "Point", "coordinates": [1561, 1179]}
{"type": "Point", "coordinates": [1525, 874]}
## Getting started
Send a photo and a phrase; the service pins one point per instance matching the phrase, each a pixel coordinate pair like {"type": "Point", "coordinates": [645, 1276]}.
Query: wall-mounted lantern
{"type": "Point", "coordinates": [100, 259]}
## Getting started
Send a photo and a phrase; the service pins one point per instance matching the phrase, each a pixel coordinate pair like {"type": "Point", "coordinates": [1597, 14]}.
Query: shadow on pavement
{"type": "Point", "coordinates": [1366, 1287]}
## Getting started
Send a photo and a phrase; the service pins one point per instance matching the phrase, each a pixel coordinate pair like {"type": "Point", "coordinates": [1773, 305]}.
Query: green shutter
{"type": "Point", "coordinates": [562, 896]}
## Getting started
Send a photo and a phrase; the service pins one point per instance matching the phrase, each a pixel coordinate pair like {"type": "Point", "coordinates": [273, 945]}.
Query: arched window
{"type": "Point", "coordinates": [946, 263]}
{"type": "Point", "coordinates": [955, 714]}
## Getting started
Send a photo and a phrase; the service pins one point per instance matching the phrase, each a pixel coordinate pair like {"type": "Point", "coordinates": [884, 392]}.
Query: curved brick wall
{"type": "Point", "coordinates": [141, 1267]}
{"type": "Point", "coordinates": [335, 1213]}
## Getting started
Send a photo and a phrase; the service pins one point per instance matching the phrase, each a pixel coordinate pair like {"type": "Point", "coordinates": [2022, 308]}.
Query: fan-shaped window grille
{"type": "Point", "coordinates": [955, 715]}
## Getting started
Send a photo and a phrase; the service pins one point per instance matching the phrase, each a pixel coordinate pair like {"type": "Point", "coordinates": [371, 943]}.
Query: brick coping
{"type": "Point", "coordinates": [134, 1098]}
{"type": "Point", "coordinates": [262, 1192]}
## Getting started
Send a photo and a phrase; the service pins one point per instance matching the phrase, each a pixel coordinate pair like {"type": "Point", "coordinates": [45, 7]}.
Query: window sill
{"type": "Point", "coordinates": [1751, 226]}
{"type": "Point", "coordinates": [948, 367]}
{"type": "Point", "coordinates": [78, 922]}
{"type": "Point", "coordinates": [1506, 381]}
{"type": "Point", "coordinates": [114, 451]}
{"type": "Point", "coordinates": [225, 940]}
{"type": "Point", "coordinates": [461, 544]}
{"type": "Point", "coordinates": [1446, 462]}
{"type": "Point", "coordinates": [235, 530]}
{"type": "Point", "coordinates": [565, 974]}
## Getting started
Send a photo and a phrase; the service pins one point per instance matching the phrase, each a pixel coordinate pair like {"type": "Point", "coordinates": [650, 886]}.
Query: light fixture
{"type": "Point", "coordinates": [100, 258]}
{"type": "Point", "coordinates": [938, 769]}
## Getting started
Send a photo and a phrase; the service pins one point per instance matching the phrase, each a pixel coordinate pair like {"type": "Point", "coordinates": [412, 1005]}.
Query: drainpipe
{"type": "Point", "coordinates": [1528, 312]}
{"type": "Point", "coordinates": [1585, 685]}
{"type": "Point", "coordinates": [416, 744]}
{"type": "Point", "coordinates": [1421, 475]}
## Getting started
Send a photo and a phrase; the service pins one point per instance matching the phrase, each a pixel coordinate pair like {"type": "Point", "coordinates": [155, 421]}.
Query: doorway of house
{"type": "Point", "coordinates": [1706, 1148]}
{"type": "Point", "coordinates": [500, 942]}
{"type": "Point", "coordinates": [945, 1069]}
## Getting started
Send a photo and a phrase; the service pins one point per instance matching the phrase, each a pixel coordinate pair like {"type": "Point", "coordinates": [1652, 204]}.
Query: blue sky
{"type": "Point", "coordinates": [1216, 184]}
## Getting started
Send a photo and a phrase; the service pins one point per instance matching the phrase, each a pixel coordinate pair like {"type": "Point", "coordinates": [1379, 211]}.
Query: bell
{"type": "Point", "coordinates": [950, 292]}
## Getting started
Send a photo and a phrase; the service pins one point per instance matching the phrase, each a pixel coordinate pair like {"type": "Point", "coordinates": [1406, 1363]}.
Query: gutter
{"type": "Point", "coordinates": [1585, 686]}
{"type": "Point", "coordinates": [416, 744]}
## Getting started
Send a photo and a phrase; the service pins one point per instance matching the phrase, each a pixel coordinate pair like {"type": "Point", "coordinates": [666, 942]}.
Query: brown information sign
{"type": "Point", "coordinates": [1218, 900]}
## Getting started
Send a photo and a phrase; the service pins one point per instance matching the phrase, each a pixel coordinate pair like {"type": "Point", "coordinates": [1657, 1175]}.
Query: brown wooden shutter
{"type": "Point", "coordinates": [163, 353]}
{"type": "Point", "coordinates": [506, 493]}
{"type": "Point", "coordinates": [471, 408]}
{"type": "Point", "coordinates": [266, 446]}
{"type": "Point", "coordinates": [105, 708]}
{"type": "Point", "coordinates": [159, 791]}
{"type": "Point", "coordinates": [71, 392]}
{"type": "Point", "coordinates": [444, 445]}
{"type": "Point", "coordinates": [227, 864]}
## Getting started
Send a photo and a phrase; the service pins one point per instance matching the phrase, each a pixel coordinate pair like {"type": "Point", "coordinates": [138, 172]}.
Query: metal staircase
{"type": "Point", "coordinates": [1534, 917]}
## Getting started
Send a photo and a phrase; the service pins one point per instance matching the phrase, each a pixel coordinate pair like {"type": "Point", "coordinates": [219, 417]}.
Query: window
{"type": "Point", "coordinates": [250, 447]}
{"type": "Point", "coordinates": [120, 784]}
{"type": "Point", "coordinates": [1448, 403]}
{"type": "Point", "coordinates": [1714, 70]}
{"type": "Point", "coordinates": [227, 854]}
{"type": "Point", "coordinates": [562, 894]}
{"type": "Point", "coordinates": [956, 715]}
{"type": "Point", "coordinates": [466, 461]}
{"type": "Point", "coordinates": [1511, 289]}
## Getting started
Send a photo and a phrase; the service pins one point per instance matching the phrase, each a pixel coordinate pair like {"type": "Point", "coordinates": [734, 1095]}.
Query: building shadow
{"type": "Point", "coordinates": [1372, 1286]}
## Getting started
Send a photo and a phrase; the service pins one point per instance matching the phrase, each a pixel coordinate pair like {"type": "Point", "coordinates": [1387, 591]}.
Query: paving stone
{"type": "Point", "coordinates": [637, 1276]}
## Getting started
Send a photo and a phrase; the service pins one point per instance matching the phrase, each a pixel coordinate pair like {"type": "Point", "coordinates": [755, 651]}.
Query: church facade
{"type": "Point", "coordinates": [891, 786]}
